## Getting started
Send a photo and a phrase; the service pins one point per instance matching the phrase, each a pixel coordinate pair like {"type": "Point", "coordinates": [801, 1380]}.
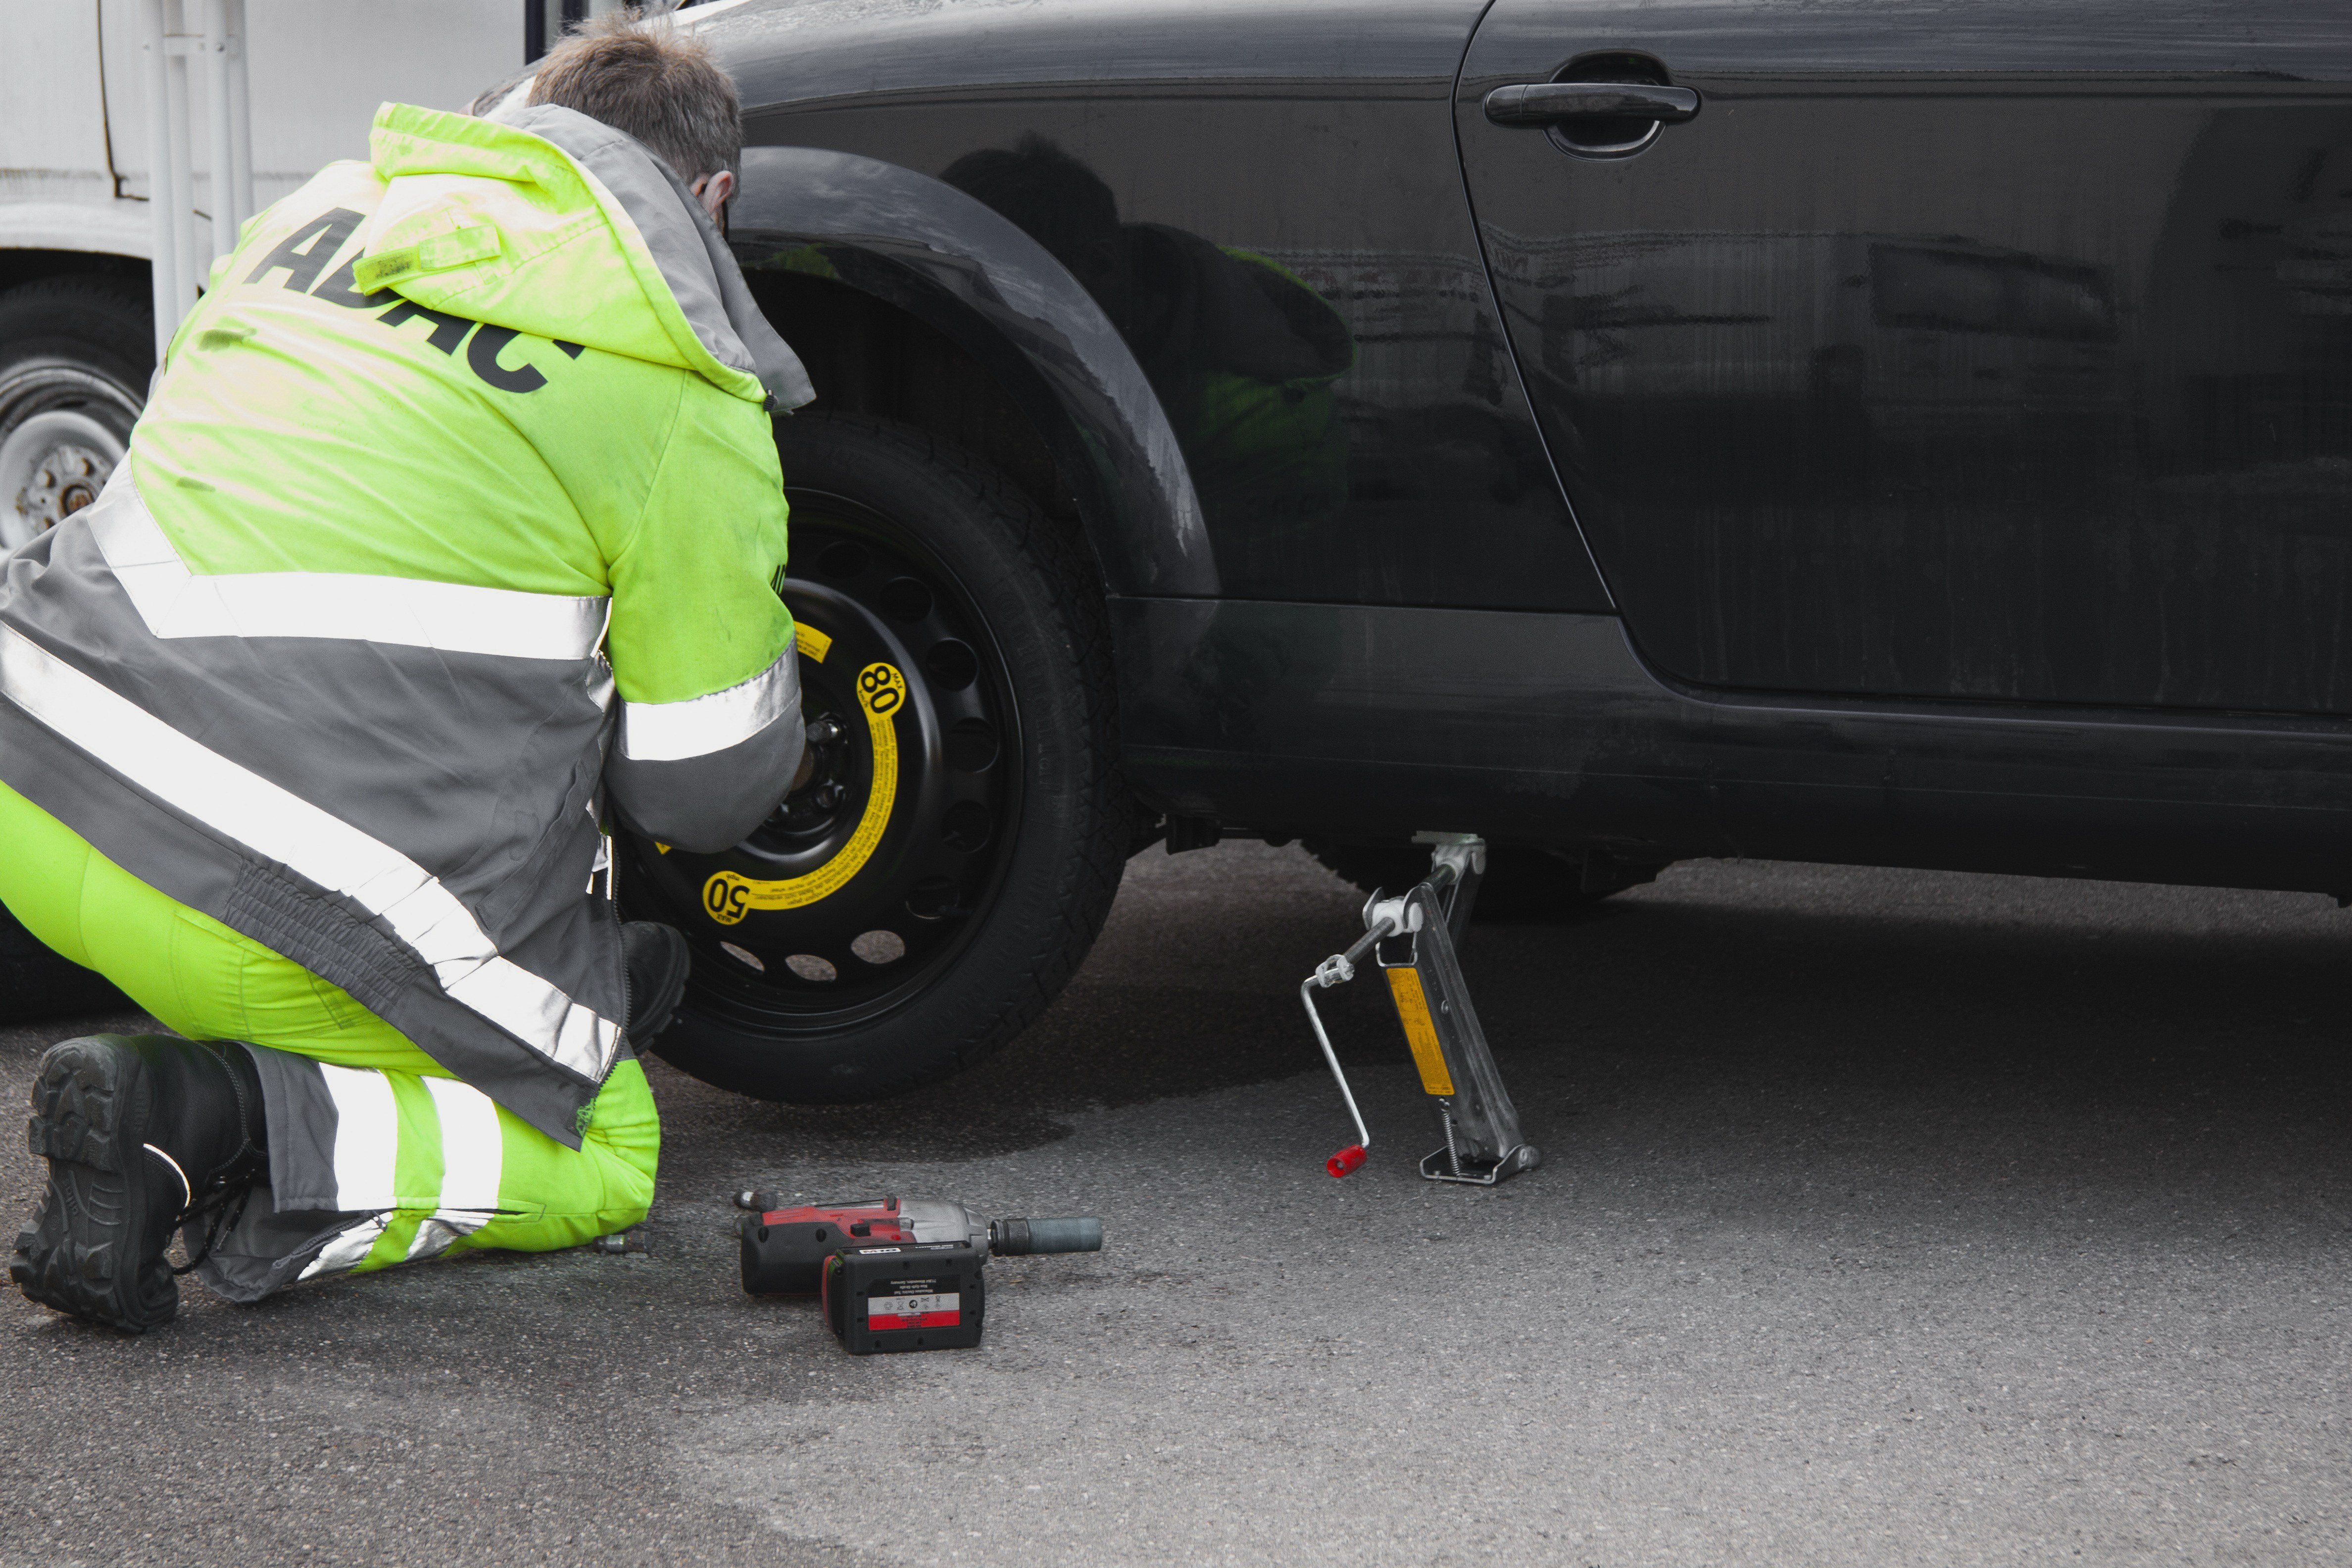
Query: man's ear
{"type": "Point", "coordinates": [713, 190]}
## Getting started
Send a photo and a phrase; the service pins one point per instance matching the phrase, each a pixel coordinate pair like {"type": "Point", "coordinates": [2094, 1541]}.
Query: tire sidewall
{"type": "Point", "coordinates": [89, 321]}
{"type": "Point", "coordinates": [1039, 619]}
{"type": "Point", "coordinates": [73, 343]}
{"type": "Point", "coordinates": [100, 329]}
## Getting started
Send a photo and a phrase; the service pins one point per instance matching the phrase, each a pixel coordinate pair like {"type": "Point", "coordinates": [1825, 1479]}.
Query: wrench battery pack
{"type": "Point", "coordinates": [905, 1296]}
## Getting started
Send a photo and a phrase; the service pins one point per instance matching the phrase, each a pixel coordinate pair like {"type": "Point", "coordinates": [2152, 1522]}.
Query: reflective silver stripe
{"type": "Point", "coordinates": [472, 1154]}
{"type": "Point", "coordinates": [366, 1156]}
{"type": "Point", "coordinates": [436, 1235]}
{"type": "Point", "coordinates": [367, 1137]}
{"type": "Point", "coordinates": [454, 617]}
{"type": "Point", "coordinates": [279, 826]}
{"type": "Point", "coordinates": [672, 731]}
{"type": "Point", "coordinates": [348, 1249]}
{"type": "Point", "coordinates": [472, 1161]}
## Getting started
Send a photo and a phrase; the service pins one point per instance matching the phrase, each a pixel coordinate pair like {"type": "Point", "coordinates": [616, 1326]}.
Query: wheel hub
{"type": "Point", "coordinates": [62, 432]}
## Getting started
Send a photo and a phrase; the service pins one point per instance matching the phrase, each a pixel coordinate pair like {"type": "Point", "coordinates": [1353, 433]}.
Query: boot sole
{"type": "Point", "coordinates": [81, 1255]}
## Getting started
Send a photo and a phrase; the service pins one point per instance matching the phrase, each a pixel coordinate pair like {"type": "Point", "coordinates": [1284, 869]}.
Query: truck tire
{"type": "Point", "coordinates": [35, 982]}
{"type": "Point", "coordinates": [75, 358]}
{"type": "Point", "coordinates": [947, 866]}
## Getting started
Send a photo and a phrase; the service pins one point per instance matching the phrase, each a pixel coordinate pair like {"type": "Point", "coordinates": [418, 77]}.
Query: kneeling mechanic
{"type": "Point", "coordinates": [452, 523]}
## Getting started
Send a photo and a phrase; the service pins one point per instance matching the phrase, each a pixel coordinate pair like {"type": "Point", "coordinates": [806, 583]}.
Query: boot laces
{"type": "Point", "coordinates": [222, 1203]}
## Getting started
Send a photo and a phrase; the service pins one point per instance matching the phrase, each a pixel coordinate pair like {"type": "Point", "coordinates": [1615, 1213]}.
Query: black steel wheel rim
{"type": "Point", "coordinates": [866, 882]}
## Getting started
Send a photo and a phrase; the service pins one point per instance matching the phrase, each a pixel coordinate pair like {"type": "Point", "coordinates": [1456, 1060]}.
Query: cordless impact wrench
{"type": "Point", "coordinates": [894, 1274]}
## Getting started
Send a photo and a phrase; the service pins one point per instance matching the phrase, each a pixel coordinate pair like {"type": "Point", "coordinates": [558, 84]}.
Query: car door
{"type": "Point", "coordinates": [1977, 349]}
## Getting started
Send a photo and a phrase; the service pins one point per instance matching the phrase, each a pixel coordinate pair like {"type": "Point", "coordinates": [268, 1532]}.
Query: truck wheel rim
{"type": "Point", "coordinates": [859, 890]}
{"type": "Point", "coordinates": [63, 430]}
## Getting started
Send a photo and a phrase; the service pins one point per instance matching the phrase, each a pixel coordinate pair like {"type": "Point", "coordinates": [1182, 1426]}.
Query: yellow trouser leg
{"type": "Point", "coordinates": [207, 981]}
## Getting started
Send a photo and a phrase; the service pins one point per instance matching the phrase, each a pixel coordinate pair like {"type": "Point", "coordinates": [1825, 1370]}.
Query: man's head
{"type": "Point", "coordinates": [659, 84]}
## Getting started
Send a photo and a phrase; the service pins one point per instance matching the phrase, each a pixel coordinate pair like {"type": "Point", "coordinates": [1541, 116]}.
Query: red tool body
{"type": "Point", "coordinates": [867, 1219]}
{"type": "Point", "coordinates": [922, 1255]}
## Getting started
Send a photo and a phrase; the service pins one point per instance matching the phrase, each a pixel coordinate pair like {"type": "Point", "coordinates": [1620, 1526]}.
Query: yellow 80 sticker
{"type": "Point", "coordinates": [882, 688]}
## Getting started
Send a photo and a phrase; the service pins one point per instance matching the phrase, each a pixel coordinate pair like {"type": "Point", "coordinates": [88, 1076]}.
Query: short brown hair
{"type": "Point", "coordinates": [656, 83]}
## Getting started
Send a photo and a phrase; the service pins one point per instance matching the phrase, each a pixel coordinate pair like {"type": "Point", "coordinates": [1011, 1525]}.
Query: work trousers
{"type": "Point", "coordinates": [378, 1155]}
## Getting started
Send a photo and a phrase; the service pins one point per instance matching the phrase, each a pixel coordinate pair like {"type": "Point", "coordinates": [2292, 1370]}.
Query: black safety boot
{"type": "Point", "coordinates": [658, 959]}
{"type": "Point", "coordinates": [140, 1132]}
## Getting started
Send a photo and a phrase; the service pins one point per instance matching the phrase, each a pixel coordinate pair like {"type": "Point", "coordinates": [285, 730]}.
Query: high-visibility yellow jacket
{"type": "Point", "coordinates": [454, 517]}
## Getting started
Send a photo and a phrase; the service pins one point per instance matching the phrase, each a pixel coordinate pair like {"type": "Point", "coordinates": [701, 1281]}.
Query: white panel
{"type": "Point", "coordinates": [318, 69]}
{"type": "Point", "coordinates": [117, 229]}
{"type": "Point", "coordinates": [321, 67]}
{"type": "Point", "coordinates": [126, 89]}
{"type": "Point", "coordinates": [51, 123]}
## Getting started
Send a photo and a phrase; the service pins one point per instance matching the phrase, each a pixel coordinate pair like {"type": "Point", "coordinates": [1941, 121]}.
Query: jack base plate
{"type": "Point", "coordinates": [1441, 1167]}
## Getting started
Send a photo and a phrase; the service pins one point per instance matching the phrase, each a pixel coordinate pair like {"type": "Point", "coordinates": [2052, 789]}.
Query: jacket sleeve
{"type": "Point", "coordinates": [701, 647]}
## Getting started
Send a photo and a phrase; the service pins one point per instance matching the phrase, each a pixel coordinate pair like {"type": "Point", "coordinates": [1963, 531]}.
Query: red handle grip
{"type": "Point", "coordinates": [1346, 1161]}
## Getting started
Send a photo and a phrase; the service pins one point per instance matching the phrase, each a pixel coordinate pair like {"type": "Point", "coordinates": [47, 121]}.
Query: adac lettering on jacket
{"type": "Point", "coordinates": [448, 330]}
{"type": "Point", "coordinates": [304, 254]}
{"type": "Point", "coordinates": [482, 359]}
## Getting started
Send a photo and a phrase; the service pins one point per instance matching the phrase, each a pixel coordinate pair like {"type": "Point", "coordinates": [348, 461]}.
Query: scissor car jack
{"type": "Point", "coordinates": [1413, 938]}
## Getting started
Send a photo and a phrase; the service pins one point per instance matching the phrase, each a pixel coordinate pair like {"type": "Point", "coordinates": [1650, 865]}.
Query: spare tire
{"type": "Point", "coordinates": [947, 864]}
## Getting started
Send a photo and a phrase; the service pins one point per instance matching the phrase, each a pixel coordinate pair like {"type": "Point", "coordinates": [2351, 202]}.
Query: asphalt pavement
{"type": "Point", "coordinates": [1887, 1218]}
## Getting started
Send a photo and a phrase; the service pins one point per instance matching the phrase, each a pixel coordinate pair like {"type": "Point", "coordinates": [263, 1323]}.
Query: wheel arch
{"type": "Point", "coordinates": [811, 220]}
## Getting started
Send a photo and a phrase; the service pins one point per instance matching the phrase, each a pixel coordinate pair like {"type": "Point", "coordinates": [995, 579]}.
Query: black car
{"type": "Point", "coordinates": [1897, 433]}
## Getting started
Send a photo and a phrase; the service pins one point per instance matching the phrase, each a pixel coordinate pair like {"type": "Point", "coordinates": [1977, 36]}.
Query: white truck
{"type": "Point", "coordinates": [80, 293]}
{"type": "Point", "coordinates": [83, 302]}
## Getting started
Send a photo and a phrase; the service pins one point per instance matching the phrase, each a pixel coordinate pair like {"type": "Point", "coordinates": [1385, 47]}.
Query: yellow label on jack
{"type": "Point", "coordinates": [1420, 1028]}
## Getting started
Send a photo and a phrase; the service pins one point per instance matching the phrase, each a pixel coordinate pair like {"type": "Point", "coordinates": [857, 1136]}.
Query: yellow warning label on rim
{"type": "Point", "coordinates": [1420, 1028]}
{"type": "Point", "coordinates": [811, 642]}
{"type": "Point", "coordinates": [729, 896]}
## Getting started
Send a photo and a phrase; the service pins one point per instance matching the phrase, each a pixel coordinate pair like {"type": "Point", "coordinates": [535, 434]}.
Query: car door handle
{"type": "Point", "coordinates": [1543, 103]}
